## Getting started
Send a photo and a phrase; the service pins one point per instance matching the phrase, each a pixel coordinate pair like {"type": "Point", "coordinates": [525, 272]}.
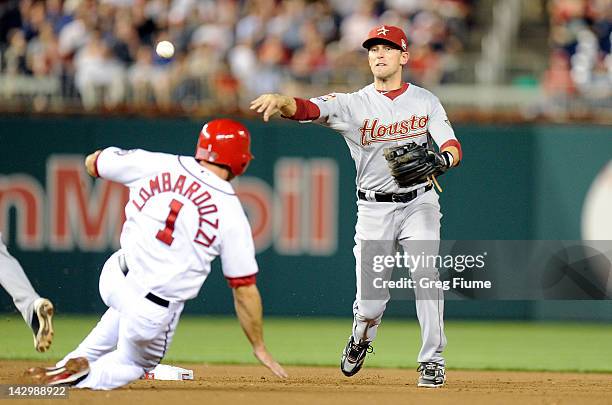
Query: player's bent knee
{"type": "Point", "coordinates": [371, 311]}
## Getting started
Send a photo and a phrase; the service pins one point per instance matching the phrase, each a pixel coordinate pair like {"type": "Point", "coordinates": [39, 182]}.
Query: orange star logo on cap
{"type": "Point", "coordinates": [382, 31]}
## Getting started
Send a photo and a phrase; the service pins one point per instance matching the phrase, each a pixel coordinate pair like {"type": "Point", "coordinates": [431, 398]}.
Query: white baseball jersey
{"type": "Point", "coordinates": [180, 216]}
{"type": "Point", "coordinates": [371, 121]}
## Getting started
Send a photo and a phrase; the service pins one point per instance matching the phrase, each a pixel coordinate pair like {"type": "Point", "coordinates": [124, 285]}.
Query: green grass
{"type": "Point", "coordinates": [310, 341]}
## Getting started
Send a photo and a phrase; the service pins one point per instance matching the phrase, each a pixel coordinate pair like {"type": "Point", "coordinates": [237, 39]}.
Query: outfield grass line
{"type": "Point", "coordinates": [309, 364]}
{"type": "Point", "coordinates": [404, 367]}
{"type": "Point", "coordinates": [305, 341]}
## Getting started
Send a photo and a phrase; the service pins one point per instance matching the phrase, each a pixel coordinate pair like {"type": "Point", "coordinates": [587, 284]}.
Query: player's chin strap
{"type": "Point", "coordinates": [432, 179]}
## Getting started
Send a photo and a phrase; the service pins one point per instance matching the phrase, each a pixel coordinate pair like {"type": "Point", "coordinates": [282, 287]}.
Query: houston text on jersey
{"type": "Point", "coordinates": [410, 128]}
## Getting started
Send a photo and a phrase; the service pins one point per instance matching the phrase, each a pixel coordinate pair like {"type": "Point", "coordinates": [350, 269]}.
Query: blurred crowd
{"type": "Point", "coordinates": [223, 53]}
{"type": "Point", "coordinates": [581, 59]}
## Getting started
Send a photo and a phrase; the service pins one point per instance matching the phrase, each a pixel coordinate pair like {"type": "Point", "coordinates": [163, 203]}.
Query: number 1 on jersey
{"type": "Point", "coordinates": [165, 235]}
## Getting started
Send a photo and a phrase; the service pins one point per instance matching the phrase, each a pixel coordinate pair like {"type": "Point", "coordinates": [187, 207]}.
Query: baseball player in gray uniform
{"type": "Point", "coordinates": [387, 113]}
{"type": "Point", "coordinates": [36, 311]}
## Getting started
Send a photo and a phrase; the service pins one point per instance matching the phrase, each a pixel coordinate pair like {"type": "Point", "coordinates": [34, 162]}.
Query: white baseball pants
{"type": "Point", "coordinates": [132, 336]}
{"type": "Point", "coordinates": [417, 220]}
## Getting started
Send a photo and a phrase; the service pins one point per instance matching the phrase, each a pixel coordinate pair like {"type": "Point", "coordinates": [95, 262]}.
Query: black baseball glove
{"type": "Point", "coordinates": [413, 164]}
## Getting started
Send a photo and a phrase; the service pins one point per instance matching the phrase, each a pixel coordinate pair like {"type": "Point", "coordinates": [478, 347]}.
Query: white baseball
{"type": "Point", "coordinates": [165, 49]}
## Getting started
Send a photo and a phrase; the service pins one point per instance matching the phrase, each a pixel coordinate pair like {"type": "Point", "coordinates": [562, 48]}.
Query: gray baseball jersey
{"type": "Point", "coordinates": [371, 121]}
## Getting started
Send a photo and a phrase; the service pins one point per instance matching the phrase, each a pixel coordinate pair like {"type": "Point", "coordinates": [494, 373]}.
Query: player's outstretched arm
{"type": "Point", "coordinates": [247, 302]}
{"type": "Point", "coordinates": [90, 164]}
{"type": "Point", "coordinates": [270, 104]}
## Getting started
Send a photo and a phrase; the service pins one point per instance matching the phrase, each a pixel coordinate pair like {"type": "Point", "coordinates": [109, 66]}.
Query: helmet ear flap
{"type": "Point", "coordinates": [208, 155]}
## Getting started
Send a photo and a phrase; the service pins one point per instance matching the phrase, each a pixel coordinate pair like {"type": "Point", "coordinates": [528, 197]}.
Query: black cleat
{"type": "Point", "coordinates": [433, 375]}
{"type": "Point", "coordinates": [353, 357]}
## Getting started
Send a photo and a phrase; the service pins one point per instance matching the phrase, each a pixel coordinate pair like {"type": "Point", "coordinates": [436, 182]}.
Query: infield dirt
{"type": "Point", "coordinates": [231, 384]}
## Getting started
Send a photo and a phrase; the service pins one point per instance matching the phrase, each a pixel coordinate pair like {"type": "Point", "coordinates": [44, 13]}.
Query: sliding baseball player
{"type": "Point", "coordinates": [182, 214]}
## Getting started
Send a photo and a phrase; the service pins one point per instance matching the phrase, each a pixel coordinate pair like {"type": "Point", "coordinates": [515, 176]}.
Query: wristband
{"type": "Point", "coordinates": [448, 158]}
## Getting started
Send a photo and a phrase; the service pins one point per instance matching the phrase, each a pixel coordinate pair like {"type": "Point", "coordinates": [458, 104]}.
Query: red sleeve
{"type": "Point", "coordinates": [456, 144]}
{"type": "Point", "coordinates": [234, 282]}
{"type": "Point", "coordinates": [306, 110]}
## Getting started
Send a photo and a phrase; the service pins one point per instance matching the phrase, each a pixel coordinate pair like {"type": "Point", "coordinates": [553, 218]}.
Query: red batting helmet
{"type": "Point", "coordinates": [225, 142]}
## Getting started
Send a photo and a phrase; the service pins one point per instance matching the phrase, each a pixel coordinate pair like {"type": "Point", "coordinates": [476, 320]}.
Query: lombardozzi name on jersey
{"type": "Point", "coordinates": [207, 209]}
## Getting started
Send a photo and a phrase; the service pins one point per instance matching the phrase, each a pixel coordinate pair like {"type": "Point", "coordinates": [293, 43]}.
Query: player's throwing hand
{"type": "Point", "coordinates": [270, 104]}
